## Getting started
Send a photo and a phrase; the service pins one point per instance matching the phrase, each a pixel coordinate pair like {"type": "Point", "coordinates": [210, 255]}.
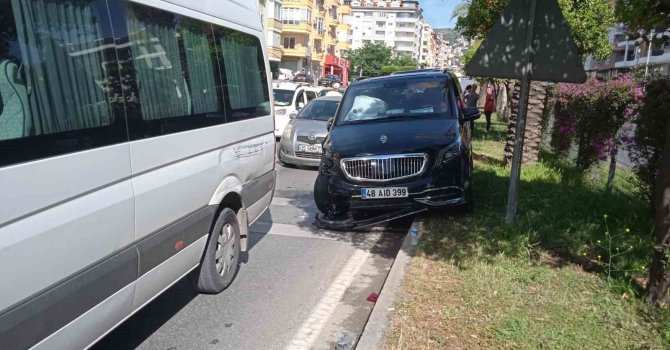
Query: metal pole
{"type": "Point", "coordinates": [646, 67]}
{"type": "Point", "coordinates": [526, 76]}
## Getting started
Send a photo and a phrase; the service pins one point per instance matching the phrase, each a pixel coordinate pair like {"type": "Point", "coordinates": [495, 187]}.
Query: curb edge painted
{"type": "Point", "coordinates": [379, 321]}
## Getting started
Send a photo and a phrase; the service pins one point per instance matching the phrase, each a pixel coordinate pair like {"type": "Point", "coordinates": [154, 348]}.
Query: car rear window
{"type": "Point", "coordinates": [398, 98]}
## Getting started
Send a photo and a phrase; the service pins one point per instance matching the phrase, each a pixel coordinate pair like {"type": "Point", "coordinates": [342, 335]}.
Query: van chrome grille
{"type": "Point", "coordinates": [384, 168]}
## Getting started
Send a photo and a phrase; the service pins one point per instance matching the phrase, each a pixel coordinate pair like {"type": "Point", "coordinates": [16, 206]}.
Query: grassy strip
{"type": "Point", "coordinates": [480, 283]}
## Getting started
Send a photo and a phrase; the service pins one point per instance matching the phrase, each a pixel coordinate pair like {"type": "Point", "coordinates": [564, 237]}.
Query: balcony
{"type": "Point", "coordinates": [275, 24]}
{"type": "Point", "coordinates": [294, 3]}
{"type": "Point", "coordinates": [275, 53]}
{"type": "Point", "coordinates": [298, 51]}
{"type": "Point", "coordinates": [302, 27]}
{"type": "Point", "coordinates": [343, 45]}
{"type": "Point", "coordinates": [345, 10]}
{"type": "Point", "coordinates": [317, 56]}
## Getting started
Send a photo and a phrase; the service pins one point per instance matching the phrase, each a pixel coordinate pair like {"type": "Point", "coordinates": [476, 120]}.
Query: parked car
{"type": "Point", "coordinates": [289, 98]}
{"type": "Point", "coordinates": [331, 92]}
{"type": "Point", "coordinates": [303, 78]}
{"type": "Point", "coordinates": [301, 142]}
{"type": "Point", "coordinates": [330, 80]}
{"type": "Point", "coordinates": [397, 142]}
{"type": "Point", "coordinates": [285, 74]}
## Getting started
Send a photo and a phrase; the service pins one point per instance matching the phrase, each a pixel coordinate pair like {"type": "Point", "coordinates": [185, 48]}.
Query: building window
{"type": "Point", "coordinates": [381, 14]}
{"type": "Point", "coordinates": [277, 11]}
{"type": "Point", "coordinates": [292, 15]}
{"type": "Point", "coordinates": [319, 25]}
{"type": "Point", "coordinates": [380, 24]}
{"type": "Point", "coordinates": [333, 12]}
{"type": "Point", "coordinates": [379, 32]}
{"type": "Point", "coordinates": [289, 42]}
{"type": "Point", "coordinates": [367, 14]}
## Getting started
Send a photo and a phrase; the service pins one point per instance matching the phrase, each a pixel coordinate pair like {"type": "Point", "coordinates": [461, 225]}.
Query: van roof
{"type": "Point", "coordinates": [241, 12]}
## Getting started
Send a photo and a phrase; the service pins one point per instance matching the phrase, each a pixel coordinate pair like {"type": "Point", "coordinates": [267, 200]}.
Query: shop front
{"type": "Point", "coordinates": [337, 66]}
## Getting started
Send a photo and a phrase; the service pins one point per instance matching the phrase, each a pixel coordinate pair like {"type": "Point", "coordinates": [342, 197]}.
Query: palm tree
{"type": "Point", "coordinates": [461, 10]}
{"type": "Point", "coordinates": [537, 105]}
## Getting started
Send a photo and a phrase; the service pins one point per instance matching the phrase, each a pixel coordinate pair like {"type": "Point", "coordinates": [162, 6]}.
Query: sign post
{"type": "Point", "coordinates": [526, 76]}
{"type": "Point", "coordinates": [528, 42]}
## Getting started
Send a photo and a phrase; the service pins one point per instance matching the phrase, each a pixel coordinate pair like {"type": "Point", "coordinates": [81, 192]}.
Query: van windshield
{"type": "Point", "coordinates": [407, 98]}
{"type": "Point", "coordinates": [283, 97]}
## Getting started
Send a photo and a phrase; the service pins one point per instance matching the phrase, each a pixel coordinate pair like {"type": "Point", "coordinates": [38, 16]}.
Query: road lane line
{"type": "Point", "coordinates": [316, 321]}
{"type": "Point", "coordinates": [292, 230]}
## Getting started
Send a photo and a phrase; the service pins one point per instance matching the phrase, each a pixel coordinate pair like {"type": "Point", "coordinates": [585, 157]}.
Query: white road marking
{"type": "Point", "coordinates": [298, 231]}
{"type": "Point", "coordinates": [316, 321]}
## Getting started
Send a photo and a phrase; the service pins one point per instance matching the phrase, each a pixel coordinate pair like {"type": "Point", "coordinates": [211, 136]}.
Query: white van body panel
{"type": "Point", "coordinates": [91, 213]}
{"type": "Point", "coordinates": [86, 329]}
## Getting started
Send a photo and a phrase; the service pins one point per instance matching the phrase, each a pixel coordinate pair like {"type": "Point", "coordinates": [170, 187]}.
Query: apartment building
{"type": "Point", "coordinates": [397, 24]}
{"type": "Point", "coordinates": [630, 51]}
{"type": "Point", "coordinates": [314, 35]}
{"type": "Point", "coordinates": [428, 46]}
{"type": "Point", "coordinates": [271, 15]}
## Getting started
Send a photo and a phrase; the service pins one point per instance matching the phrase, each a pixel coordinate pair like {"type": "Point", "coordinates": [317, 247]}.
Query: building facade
{"type": "Point", "coordinates": [397, 24]}
{"type": "Point", "coordinates": [308, 32]}
{"type": "Point", "coordinates": [428, 46]}
{"type": "Point", "coordinates": [630, 51]}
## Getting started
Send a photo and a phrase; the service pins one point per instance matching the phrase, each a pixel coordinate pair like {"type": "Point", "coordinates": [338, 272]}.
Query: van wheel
{"type": "Point", "coordinates": [336, 85]}
{"type": "Point", "coordinates": [321, 196]}
{"type": "Point", "coordinates": [220, 262]}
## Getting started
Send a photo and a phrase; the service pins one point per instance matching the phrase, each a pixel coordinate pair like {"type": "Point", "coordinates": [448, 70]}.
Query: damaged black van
{"type": "Point", "coordinates": [397, 143]}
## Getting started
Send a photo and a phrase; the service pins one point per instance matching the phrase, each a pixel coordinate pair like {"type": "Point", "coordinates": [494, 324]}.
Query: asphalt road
{"type": "Point", "coordinates": [298, 287]}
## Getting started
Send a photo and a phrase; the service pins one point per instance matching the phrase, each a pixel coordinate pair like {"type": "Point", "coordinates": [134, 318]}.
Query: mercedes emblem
{"type": "Point", "coordinates": [311, 136]}
{"type": "Point", "coordinates": [383, 139]}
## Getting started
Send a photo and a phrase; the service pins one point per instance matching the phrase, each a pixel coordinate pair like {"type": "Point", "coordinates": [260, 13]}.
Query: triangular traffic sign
{"type": "Point", "coordinates": [555, 57]}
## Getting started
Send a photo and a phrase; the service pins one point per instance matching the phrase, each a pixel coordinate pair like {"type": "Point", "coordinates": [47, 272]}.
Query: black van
{"type": "Point", "coordinates": [397, 142]}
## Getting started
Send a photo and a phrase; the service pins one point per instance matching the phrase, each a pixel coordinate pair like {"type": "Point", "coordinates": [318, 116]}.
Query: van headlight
{"type": "Point", "coordinates": [280, 112]}
{"type": "Point", "coordinates": [448, 153]}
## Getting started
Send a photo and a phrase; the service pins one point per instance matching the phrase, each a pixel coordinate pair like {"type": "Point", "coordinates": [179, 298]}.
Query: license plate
{"type": "Point", "coordinates": [383, 193]}
{"type": "Point", "coordinates": [309, 148]}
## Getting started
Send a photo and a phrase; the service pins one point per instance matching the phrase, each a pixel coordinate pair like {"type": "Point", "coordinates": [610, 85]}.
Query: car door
{"type": "Point", "coordinates": [310, 95]}
{"type": "Point", "coordinates": [300, 99]}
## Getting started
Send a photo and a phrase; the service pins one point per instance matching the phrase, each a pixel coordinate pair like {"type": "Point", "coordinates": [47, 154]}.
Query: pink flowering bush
{"type": "Point", "coordinates": [651, 115]}
{"type": "Point", "coordinates": [593, 114]}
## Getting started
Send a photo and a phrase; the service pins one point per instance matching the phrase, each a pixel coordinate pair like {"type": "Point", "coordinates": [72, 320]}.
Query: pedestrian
{"type": "Point", "coordinates": [467, 92]}
{"type": "Point", "coordinates": [489, 106]}
{"type": "Point", "coordinates": [472, 98]}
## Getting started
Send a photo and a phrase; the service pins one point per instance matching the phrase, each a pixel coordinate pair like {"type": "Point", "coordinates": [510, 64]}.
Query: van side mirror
{"type": "Point", "coordinates": [471, 113]}
{"type": "Point", "coordinates": [331, 121]}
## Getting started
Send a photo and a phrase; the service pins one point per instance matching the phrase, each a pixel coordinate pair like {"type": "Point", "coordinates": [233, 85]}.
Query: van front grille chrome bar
{"type": "Point", "coordinates": [385, 167]}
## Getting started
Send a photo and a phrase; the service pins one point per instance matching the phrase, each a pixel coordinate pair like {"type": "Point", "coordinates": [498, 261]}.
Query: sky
{"type": "Point", "coordinates": [438, 12]}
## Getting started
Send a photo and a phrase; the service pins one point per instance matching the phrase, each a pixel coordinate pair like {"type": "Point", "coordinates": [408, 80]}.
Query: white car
{"type": "Point", "coordinates": [285, 74]}
{"type": "Point", "coordinates": [289, 98]}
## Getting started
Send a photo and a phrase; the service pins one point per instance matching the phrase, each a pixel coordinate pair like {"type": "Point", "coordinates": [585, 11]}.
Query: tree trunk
{"type": "Point", "coordinates": [612, 171]}
{"type": "Point", "coordinates": [659, 275]}
{"type": "Point", "coordinates": [502, 102]}
{"type": "Point", "coordinates": [537, 102]}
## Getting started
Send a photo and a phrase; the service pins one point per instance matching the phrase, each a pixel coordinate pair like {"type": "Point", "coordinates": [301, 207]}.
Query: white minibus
{"type": "Point", "coordinates": [136, 146]}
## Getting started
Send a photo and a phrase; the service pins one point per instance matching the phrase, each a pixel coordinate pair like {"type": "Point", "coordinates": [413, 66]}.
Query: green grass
{"type": "Point", "coordinates": [542, 281]}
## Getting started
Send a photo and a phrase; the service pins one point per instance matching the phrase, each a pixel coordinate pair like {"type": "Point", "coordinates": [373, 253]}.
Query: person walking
{"type": "Point", "coordinates": [472, 98]}
{"type": "Point", "coordinates": [489, 106]}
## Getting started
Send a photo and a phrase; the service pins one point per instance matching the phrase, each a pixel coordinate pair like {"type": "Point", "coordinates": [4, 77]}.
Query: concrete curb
{"type": "Point", "coordinates": [379, 321]}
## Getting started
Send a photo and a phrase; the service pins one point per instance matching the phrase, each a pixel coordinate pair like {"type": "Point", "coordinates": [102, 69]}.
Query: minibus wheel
{"type": "Point", "coordinates": [220, 262]}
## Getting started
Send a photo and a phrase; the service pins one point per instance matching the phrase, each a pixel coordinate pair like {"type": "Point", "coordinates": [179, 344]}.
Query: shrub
{"type": "Point", "coordinates": [651, 118]}
{"type": "Point", "coordinates": [592, 114]}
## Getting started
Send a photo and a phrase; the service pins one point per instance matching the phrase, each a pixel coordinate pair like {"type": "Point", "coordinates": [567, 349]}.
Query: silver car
{"type": "Point", "coordinates": [303, 136]}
